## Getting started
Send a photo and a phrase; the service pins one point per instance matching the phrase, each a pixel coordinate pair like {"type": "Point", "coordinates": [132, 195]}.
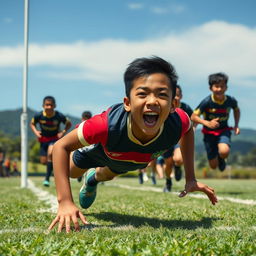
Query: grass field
{"type": "Point", "coordinates": [132, 219]}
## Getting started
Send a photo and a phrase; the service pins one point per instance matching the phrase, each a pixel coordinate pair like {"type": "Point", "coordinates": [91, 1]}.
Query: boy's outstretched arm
{"type": "Point", "coordinates": [187, 150]}
{"type": "Point", "coordinates": [68, 212]}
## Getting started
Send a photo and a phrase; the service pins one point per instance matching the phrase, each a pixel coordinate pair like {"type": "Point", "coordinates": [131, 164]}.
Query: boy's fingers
{"type": "Point", "coordinates": [67, 222]}
{"type": "Point", "coordinates": [76, 224]}
{"type": "Point", "coordinates": [53, 223]}
{"type": "Point", "coordinates": [61, 223]}
{"type": "Point", "coordinates": [83, 219]}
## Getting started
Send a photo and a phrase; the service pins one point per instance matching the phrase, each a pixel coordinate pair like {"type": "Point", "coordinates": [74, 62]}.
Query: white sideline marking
{"type": "Point", "coordinates": [231, 199]}
{"type": "Point", "coordinates": [118, 228]}
{"type": "Point", "coordinates": [44, 196]}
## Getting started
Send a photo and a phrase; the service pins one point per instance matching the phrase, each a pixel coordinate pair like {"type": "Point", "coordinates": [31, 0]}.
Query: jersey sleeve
{"type": "Point", "coordinates": [94, 130]}
{"type": "Point", "coordinates": [234, 103]}
{"type": "Point", "coordinates": [199, 110]}
{"type": "Point", "coordinates": [185, 120]}
{"type": "Point", "coordinates": [35, 119]}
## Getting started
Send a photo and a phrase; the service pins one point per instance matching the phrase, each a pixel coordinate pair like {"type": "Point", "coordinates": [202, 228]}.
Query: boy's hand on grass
{"type": "Point", "coordinates": [68, 213]}
{"type": "Point", "coordinates": [198, 186]}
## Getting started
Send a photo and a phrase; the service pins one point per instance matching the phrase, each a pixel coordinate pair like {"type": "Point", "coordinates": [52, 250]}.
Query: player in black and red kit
{"type": "Point", "coordinates": [125, 137]}
{"type": "Point", "coordinates": [215, 109]}
{"type": "Point", "coordinates": [49, 122]}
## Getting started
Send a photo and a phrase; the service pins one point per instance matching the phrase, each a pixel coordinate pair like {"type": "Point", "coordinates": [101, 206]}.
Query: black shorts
{"type": "Point", "coordinates": [44, 147]}
{"type": "Point", "coordinates": [211, 143]}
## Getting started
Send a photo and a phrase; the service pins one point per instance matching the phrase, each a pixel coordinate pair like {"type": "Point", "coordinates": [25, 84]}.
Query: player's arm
{"type": "Point", "coordinates": [236, 118]}
{"type": "Point", "coordinates": [34, 129]}
{"type": "Point", "coordinates": [187, 151]}
{"type": "Point", "coordinates": [68, 125]}
{"type": "Point", "coordinates": [68, 212]}
{"type": "Point", "coordinates": [195, 117]}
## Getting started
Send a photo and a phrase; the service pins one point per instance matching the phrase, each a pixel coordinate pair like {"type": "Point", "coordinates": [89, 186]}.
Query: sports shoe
{"type": "Point", "coordinates": [46, 183]}
{"type": "Point", "coordinates": [168, 185]}
{"type": "Point", "coordinates": [222, 164]}
{"type": "Point", "coordinates": [87, 193]}
{"type": "Point", "coordinates": [177, 172]}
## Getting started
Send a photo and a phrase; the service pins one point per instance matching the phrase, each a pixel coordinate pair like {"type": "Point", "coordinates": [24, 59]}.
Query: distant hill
{"type": "Point", "coordinates": [10, 121]}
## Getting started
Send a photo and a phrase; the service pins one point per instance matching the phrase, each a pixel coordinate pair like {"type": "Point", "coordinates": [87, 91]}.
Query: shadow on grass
{"type": "Point", "coordinates": [120, 220]}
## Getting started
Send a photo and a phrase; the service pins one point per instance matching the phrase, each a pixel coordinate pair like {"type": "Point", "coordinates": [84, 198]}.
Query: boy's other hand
{"type": "Point", "coordinates": [236, 130]}
{"type": "Point", "coordinates": [198, 186]}
{"type": "Point", "coordinates": [214, 123]}
{"type": "Point", "coordinates": [68, 213]}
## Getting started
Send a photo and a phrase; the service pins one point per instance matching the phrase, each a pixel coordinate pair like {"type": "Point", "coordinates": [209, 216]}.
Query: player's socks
{"type": "Point", "coordinates": [222, 164]}
{"type": "Point", "coordinates": [49, 168]}
{"type": "Point", "coordinates": [141, 178]}
{"type": "Point", "coordinates": [177, 172]}
{"type": "Point", "coordinates": [168, 185]}
{"type": "Point", "coordinates": [153, 178]}
{"type": "Point", "coordinates": [88, 191]}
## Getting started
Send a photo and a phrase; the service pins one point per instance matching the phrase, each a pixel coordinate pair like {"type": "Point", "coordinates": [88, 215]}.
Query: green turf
{"type": "Point", "coordinates": [132, 222]}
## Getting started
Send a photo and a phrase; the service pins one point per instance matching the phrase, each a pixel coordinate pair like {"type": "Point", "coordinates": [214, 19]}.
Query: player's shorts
{"type": "Point", "coordinates": [44, 147]}
{"type": "Point", "coordinates": [93, 156]}
{"type": "Point", "coordinates": [211, 143]}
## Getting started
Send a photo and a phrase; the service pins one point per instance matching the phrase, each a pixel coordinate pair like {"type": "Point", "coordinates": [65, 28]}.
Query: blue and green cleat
{"type": "Point", "coordinates": [87, 193]}
{"type": "Point", "coordinates": [46, 183]}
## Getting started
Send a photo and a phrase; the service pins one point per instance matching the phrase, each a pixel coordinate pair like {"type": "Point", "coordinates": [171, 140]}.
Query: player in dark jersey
{"type": "Point", "coordinates": [216, 108]}
{"type": "Point", "coordinates": [49, 122]}
{"type": "Point", "coordinates": [125, 137]}
{"type": "Point", "coordinates": [173, 157]}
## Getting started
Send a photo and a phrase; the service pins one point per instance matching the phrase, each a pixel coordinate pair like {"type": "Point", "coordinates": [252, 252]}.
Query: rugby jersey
{"type": "Point", "coordinates": [211, 109]}
{"type": "Point", "coordinates": [110, 133]}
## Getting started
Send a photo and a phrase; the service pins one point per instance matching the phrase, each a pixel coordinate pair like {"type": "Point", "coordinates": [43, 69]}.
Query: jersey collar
{"type": "Point", "coordinates": [220, 102]}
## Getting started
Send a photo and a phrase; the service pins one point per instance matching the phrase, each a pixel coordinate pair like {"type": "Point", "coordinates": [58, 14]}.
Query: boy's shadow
{"type": "Point", "coordinates": [119, 220]}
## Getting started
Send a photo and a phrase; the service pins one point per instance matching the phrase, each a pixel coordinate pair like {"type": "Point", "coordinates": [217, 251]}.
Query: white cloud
{"type": "Point", "coordinates": [212, 47]}
{"type": "Point", "coordinates": [173, 8]}
{"type": "Point", "coordinates": [135, 6]}
{"type": "Point", "coordinates": [8, 20]}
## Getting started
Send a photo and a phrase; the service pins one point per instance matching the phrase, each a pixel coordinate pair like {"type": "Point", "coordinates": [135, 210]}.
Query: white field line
{"type": "Point", "coordinates": [118, 228]}
{"type": "Point", "coordinates": [44, 196]}
{"type": "Point", "coordinates": [146, 188]}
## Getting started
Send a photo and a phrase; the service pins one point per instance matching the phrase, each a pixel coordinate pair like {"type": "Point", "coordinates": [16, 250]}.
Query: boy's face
{"type": "Point", "coordinates": [150, 103]}
{"type": "Point", "coordinates": [48, 106]}
{"type": "Point", "coordinates": [219, 90]}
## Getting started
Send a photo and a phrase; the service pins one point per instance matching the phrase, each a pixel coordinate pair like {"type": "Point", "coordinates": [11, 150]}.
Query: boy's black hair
{"type": "Point", "coordinates": [51, 98]}
{"type": "Point", "coordinates": [217, 78]}
{"type": "Point", "coordinates": [143, 67]}
{"type": "Point", "coordinates": [86, 114]}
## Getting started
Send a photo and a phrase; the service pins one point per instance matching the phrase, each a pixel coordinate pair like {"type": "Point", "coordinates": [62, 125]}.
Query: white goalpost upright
{"type": "Point", "coordinates": [24, 115]}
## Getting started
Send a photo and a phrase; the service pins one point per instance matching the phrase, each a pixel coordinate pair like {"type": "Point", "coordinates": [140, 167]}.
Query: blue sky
{"type": "Point", "coordinates": [79, 50]}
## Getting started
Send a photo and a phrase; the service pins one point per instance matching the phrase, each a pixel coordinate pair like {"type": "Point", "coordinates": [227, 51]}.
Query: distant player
{"type": "Point", "coordinates": [216, 109]}
{"type": "Point", "coordinates": [173, 157]}
{"type": "Point", "coordinates": [49, 132]}
{"type": "Point", "coordinates": [125, 137]}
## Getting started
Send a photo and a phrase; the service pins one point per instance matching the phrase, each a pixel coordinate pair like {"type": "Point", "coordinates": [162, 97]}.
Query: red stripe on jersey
{"type": "Point", "coordinates": [95, 129]}
{"type": "Point", "coordinates": [47, 139]}
{"type": "Point", "coordinates": [216, 132]}
{"type": "Point", "coordinates": [185, 120]}
{"type": "Point", "coordinates": [134, 157]}
{"type": "Point", "coordinates": [216, 110]}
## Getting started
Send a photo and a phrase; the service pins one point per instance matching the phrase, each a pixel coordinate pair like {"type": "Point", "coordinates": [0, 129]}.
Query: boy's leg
{"type": "Point", "coordinates": [178, 161]}
{"type": "Point", "coordinates": [49, 165]}
{"type": "Point", "coordinates": [211, 147]}
{"type": "Point", "coordinates": [168, 173]}
{"type": "Point", "coordinates": [88, 191]}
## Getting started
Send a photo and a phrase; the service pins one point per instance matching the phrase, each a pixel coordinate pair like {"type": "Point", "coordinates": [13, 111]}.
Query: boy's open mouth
{"type": "Point", "coordinates": [150, 118]}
